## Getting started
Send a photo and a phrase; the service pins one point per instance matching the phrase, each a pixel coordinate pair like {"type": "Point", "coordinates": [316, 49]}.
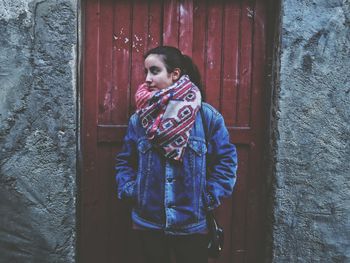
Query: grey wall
{"type": "Point", "coordinates": [311, 208]}
{"type": "Point", "coordinates": [38, 130]}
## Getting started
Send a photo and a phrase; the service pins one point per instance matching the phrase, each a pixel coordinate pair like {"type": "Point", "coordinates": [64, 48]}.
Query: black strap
{"type": "Point", "coordinates": [205, 127]}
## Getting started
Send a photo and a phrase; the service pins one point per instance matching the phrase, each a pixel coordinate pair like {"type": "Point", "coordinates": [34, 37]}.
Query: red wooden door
{"type": "Point", "coordinates": [227, 40]}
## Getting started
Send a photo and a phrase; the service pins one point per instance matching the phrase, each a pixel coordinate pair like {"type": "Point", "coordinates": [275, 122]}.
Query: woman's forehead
{"type": "Point", "coordinates": [154, 60]}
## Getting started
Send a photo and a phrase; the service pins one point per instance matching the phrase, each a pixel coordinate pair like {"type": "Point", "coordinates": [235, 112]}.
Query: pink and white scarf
{"type": "Point", "coordinates": [169, 114]}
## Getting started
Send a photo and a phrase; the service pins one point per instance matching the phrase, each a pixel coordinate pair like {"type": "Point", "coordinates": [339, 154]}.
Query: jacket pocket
{"type": "Point", "coordinates": [198, 146]}
{"type": "Point", "coordinates": [196, 158]}
{"type": "Point", "coordinates": [144, 145]}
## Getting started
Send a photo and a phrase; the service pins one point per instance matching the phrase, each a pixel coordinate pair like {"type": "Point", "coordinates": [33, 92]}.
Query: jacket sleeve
{"type": "Point", "coordinates": [126, 164]}
{"type": "Point", "coordinates": [221, 166]}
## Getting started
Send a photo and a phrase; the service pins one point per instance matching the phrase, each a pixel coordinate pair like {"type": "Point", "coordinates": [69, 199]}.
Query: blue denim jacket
{"type": "Point", "coordinates": [174, 196]}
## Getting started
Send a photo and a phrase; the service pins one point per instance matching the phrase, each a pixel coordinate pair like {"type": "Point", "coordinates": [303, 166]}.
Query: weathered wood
{"type": "Point", "coordinates": [227, 41]}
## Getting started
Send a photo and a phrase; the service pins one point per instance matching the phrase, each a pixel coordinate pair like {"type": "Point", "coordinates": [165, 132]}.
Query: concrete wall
{"type": "Point", "coordinates": [38, 42]}
{"type": "Point", "coordinates": [311, 208]}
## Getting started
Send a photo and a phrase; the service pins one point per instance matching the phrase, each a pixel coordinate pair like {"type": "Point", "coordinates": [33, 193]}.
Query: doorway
{"type": "Point", "coordinates": [227, 41]}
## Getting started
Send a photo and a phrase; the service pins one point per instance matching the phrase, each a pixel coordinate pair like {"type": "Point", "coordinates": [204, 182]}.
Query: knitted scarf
{"type": "Point", "coordinates": [168, 115]}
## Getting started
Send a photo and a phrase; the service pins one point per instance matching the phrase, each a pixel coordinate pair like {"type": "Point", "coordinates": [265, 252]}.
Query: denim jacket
{"type": "Point", "coordinates": [174, 196]}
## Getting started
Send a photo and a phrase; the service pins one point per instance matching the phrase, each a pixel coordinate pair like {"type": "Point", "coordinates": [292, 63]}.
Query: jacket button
{"type": "Point", "coordinates": [170, 180]}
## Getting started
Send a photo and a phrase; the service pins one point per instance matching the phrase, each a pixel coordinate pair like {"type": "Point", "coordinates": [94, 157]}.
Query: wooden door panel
{"type": "Point", "coordinates": [121, 66]}
{"type": "Point", "coordinates": [227, 40]}
{"type": "Point", "coordinates": [230, 66]}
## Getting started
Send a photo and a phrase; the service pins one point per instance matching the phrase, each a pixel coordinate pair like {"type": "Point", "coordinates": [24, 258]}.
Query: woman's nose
{"type": "Point", "coordinates": [148, 78]}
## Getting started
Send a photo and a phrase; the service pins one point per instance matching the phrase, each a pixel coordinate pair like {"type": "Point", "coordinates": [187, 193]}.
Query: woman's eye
{"type": "Point", "coordinates": [154, 70]}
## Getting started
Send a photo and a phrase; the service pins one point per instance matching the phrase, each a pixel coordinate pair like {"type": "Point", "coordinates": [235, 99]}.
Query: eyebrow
{"type": "Point", "coordinates": [154, 68]}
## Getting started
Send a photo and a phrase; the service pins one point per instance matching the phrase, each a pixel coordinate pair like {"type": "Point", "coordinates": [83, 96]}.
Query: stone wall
{"type": "Point", "coordinates": [311, 207]}
{"type": "Point", "coordinates": [38, 122]}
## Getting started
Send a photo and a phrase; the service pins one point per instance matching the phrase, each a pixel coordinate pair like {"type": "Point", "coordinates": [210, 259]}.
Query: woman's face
{"type": "Point", "coordinates": [157, 76]}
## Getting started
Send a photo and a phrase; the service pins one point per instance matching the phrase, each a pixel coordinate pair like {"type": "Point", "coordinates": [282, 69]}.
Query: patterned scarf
{"type": "Point", "coordinates": [169, 114]}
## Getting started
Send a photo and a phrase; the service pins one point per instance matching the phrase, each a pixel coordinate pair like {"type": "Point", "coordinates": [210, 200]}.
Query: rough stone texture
{"type": "Point", "coordinates": [312, 154]}
{"type": "Point", "coordinates": [38, 130]}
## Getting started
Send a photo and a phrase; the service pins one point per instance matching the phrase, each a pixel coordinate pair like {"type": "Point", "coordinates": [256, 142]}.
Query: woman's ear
{"type": "Point", "coordinates": [176, 74]}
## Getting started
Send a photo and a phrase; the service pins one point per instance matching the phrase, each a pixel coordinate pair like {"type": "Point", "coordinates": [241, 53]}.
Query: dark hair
{"type": "Point", "coordinates": [173, 58]}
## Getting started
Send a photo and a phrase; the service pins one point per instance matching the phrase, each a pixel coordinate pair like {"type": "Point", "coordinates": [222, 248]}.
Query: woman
{"type": "Point", "coordinates": [172, 167]}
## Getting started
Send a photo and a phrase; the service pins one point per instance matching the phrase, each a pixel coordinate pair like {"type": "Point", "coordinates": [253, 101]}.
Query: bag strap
{"type": "Point", "coordinates": [210, 214]}
{"type": "Point", "coordinates": [205, 127]}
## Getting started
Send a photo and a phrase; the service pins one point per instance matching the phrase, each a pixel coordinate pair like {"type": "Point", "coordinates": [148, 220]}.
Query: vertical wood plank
{"type": "Point", "coordinates": [139, 46]}
{"type": "Point", "coordinates": [105, 85]}
{"type": "Point", "coordinates": [121, 62]}
{"type": "Point", "coordinates": [87, 192]}
{"type": "Point", "coordinates": [199, 41]}
{"type": "Point", "coordinates": [255, 207]}
{"type": "Point", "coordinates": [155, 24]}
{"type": "Point", "coordinates": [239, 207]}
{"type": "Point", "coordinates": [186, 26]}
{"type": "Point", "coordinates": [214, 52]}
{"type": "Point", "coordinates": [230, 76]}
{"type": "Point", "coordinates": [118, 213]}
{"type": "Point", "coordinates": [259, 67]}
{"type": "Point", "coordinates": [171, 23]}
{"type": "Point", "coordinates": [102, 212]}
{"type": "Point", "coordinates": [244, 91]}
{"type": "Point", "coordinates": [105, 52]}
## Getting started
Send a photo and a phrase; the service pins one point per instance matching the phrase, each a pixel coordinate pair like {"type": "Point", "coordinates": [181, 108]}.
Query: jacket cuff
{"type": "Point", "coordinates": [210, 202]}
{"type": "Point", "coordinates": [129, 190]}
